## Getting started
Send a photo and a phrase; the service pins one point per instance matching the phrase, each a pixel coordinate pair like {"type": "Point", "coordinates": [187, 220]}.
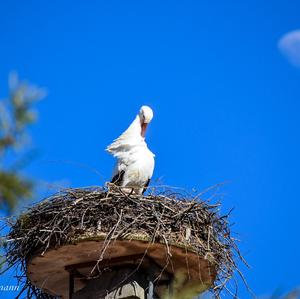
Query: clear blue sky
{"type": "Point", "coordinates": [226, 104]}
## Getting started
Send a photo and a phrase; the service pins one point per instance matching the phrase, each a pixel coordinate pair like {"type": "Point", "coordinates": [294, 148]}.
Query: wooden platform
{"type": "Point", "coordinates": [50, 272]}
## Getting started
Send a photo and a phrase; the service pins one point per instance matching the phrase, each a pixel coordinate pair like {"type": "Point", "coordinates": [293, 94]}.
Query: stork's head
{"type": "Point", "coordinates": [146, 115]}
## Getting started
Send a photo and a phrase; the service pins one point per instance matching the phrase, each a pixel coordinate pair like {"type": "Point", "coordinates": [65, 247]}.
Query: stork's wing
{"type": "Point", "coordinates": [118, 178]}
{"type": "Point", "coordinates": [146, 186]}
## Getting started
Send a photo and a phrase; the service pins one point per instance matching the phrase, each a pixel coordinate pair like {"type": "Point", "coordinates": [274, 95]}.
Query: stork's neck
{"type": "Point", "coordinates": [130, 138]}
{"type": "Point", "coordinates": [133, 131]}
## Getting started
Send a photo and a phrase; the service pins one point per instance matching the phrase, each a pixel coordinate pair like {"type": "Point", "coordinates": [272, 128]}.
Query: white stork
{"type": "Point", "coordinates": [135, 162]}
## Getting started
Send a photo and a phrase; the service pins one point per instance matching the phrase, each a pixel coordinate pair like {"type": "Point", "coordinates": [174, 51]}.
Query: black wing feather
{"type": "Point", "coordinates": [146, 186]}
{"type": "Point", "coordinates": [118, 178]}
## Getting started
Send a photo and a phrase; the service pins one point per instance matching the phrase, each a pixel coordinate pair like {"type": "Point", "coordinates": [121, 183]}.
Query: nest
{"type": "Point", "coordinates": [160, 217]}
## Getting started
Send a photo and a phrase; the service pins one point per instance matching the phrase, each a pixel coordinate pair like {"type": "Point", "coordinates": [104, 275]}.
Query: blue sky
{"type": "Point", "coordinates": [226, 105]}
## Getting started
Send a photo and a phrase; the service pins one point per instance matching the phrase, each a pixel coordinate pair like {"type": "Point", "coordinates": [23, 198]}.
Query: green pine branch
{"type": "Point", "coordinates": [16, 116]}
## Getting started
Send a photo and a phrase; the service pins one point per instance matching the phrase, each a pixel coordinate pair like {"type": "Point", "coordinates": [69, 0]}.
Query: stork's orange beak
{"type": "Point", "coordinates": [144, 127]}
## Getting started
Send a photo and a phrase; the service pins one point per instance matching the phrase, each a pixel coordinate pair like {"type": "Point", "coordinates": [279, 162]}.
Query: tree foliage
{"type": "Point", "coordinates": [16, 115]}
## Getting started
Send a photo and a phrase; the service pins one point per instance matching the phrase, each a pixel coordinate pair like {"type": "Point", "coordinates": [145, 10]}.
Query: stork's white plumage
{"type": "Point", "coordinates": [135, 162]}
